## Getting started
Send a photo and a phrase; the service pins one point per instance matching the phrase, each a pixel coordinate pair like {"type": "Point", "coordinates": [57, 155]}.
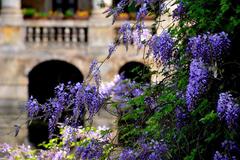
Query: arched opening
{"type": "Point", "coordinates": [136, 71]}
{"type": "Point", "coordinates": [42, 80]}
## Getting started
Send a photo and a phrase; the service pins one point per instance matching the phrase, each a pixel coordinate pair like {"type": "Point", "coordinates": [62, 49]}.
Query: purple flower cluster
{"type": "Point", "coordinates": [179, 11]}
{"type": "Point", "coordinates": [230, 146]}
{"type": "Point", "coordinates": [124, 90]}
{"type": "Point", "coordinates": [125, 32]}
{"type": "Point", "coordinates": [94, 70]}
{"type": "Point", "coordinates": [55, 114]}
{"type": "Point", "coordinates": [150, 102]}
{"type": "Point", "coordinates": [209, 47]}
{"type": "Point", "coordinates": [111, 49]}
{"type": "Point", "coordinates": [32, 107]}
{"type": "Point", "coordinates": [161, 47]}
{"type": "Point", "coordinates": [117, 10]}
{"type": "Point", "coordinates": [140, 35]}
{"type": "Point", "coordinates": [142, 12]}
{"type": "Point", "coordinates": [147, 150]}
{"type": "Point", "coordinates": [149, 2]}
{"type": "Point", "coordinates": [198, 82]}
{"type": "Point", "coordinates": [16, 152]}
{"type": "Point", "coordinates": [75, 98]}
{"type": "Point", "coordinates": [93, 150]}
{"type": "Point", "coordinates": [69, 136]}
{"type": "Point", "coordinates": [127, 154]}
{"type": "Point", "coordinates": [231, 151]}
{"type": "Point", "coordinates": [181, 117]}
{"type": "Point", "coordinates": [56, 106]}
{"type": "Point", "coordinates": [219, 156]}
{"type": "Point", "coordinates": [228, 109]}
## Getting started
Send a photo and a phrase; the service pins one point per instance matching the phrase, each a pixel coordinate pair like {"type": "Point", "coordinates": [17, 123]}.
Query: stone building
{"type": "Point", "coordinates": [36, 54]}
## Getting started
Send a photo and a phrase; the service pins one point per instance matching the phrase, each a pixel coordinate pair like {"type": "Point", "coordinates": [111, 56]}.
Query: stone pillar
{"type": "Point", "coordinates": [11, 26]}
{"type": "Point", "coordinates": [101, 32]}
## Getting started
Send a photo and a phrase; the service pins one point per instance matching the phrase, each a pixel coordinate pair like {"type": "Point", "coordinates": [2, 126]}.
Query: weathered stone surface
{"type": "Point", "coordinates": [18, 58]}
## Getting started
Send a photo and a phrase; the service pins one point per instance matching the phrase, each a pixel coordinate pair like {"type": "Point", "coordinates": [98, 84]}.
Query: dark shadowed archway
{"type": "Point", "coordinates": [42, 80]}
{"type": "Point", "coordinates": [136, 71]}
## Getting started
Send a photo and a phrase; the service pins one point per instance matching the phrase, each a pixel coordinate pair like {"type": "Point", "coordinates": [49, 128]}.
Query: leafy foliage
{"type": "Point", "coordinates": [181, 116]}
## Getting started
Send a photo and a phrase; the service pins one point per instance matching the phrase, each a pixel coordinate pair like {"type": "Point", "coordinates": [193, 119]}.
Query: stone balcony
{"type": "Point", "coordinates": [55, 33]}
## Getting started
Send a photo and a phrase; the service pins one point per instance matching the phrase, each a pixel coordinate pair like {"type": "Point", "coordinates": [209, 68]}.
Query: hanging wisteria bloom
{"type": "Point", "coordinates": [75, 98]}
{"type": "Point", "coordinates": [149, 2]}
{"type": "Point", "coordinates": [219, 156]}
{"type": "Point", "coordinates": [230, 146]}
{"type": "Point", "coordinates": [228, 109]}
{"type": "Point", "coordinates": [142, 12]}
{"type": "Point", "coordinates": [197, 83]}
{"type": "Point", "coordinates": [111, 49]}
{"type": "Point", "coordinates": [162, 47]}
{"type": "Point", "coordinates": [95, 72]}
{"type": "Point", "coordinates": [32, 107]}
{"type": "Point", "coordinates": [152, 150]}
{"type": "Point", "coordinates": [209, 47]}
{"type": "Point", "coordinates": [93, 150]}
{"type": "Point", "coordinates": [141, 35]}
{"type": "Point", "coordinates": [181, 117]}
{"type": "Point", "coordinates": [231, 151]}
{"type": "Point", "coordinates": [125, 34]}
{"type": "Point", "coordinates": [150, 102]}
{"type": "Point", "coordinates": [179, 11]}
{"type": "Point", "coordinates": [127, 154]}
{"type": "Point", "coordinates": [107, 88]}
{"type": "Point", "coordinates": [117, 10]}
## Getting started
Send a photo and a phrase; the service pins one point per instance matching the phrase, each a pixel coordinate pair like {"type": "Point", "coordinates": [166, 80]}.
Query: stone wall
{"type": "Point", "coordinates": [18, 58]}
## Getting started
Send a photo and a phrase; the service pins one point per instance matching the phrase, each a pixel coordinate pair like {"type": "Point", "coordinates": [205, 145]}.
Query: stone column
{"type": "Point", "coordinates": [101, 32]}
{"type": "Point", "coordinates": [11, 26]}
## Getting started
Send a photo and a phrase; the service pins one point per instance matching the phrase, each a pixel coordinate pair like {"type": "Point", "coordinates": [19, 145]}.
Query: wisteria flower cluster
{"type": "Point", "coordinates": [74, 143]}
{"type": "Point", "coordinates": [138, 35]}
{"type": "Point", "coordinates": [141, 35]}
{"type": "Point", "coordinates": [206, 50]}
{"type": "Point", "coordinates": [209, 47]}
{"type": "Point", "coordinates": [95, 72]}
{"type": "Point", "coordinates": [151, 102]}
{"type": "Point", "coordinates": [228, 110]}
{"type": "Point", "coordinates": [125, 33]}
{"type": "Point", "coordinates": [142, 12]}
{"type": "Point", "coordinates": [93, 150]}
{"type": "Point", "coordinates": [117, 10]}
{"type": "Point", "coordinates": [123, 91]}
{"type": "Point", "coordinates": [153, 150]}
{"type": "Point", "coordinates": [17, 152]}
{"type": "Point", "coordinates": [161, 47]}
{"type": "Point", "coordinates": [231, 151]}
{"type": "Point", "coordinates": [181, 117]}
{"type": "Point", "coordinates": [76, 98]}
{"type": "Point", "coordinates": [179, 11]}
{"type": "Point", "coordinates": [198, 82]}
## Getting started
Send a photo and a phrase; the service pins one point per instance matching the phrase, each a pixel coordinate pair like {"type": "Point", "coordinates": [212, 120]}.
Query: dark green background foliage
{"type": "Point", "coordinates": [203, 133]}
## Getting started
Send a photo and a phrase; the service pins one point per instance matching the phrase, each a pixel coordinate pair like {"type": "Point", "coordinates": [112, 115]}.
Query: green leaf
{"type": "Point", "coordinates": [208, 118]}
{"type": "Point", "coordinates": [192, 155]}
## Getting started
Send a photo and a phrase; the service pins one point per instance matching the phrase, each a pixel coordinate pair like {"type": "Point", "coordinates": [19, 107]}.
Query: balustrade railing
{"type": "Point", "coordinates": [49, 33]}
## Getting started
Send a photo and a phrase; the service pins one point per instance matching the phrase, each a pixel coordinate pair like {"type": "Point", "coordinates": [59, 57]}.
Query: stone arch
{"type": "Point", "coordinates": [43, 78]}
{"type": "Point", "coordinates": [136, 71]}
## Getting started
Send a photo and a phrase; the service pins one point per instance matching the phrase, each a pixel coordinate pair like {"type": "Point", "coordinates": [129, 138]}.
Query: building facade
{"type": "Point", "coordinates": [38, 53]}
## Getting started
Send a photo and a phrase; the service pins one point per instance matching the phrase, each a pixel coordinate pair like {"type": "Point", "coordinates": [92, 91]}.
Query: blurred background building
{"type": "Point", "coordinates": [47, 42]}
